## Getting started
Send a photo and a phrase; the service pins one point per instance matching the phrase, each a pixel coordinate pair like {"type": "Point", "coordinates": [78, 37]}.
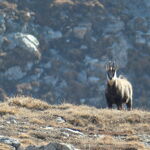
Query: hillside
{"type": "Point", "coordinates": [31, 122]}
{"type": "Point", "coordinates": [56, 50]}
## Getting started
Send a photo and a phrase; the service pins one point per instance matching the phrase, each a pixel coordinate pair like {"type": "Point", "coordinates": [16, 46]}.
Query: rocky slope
{"type": "Point", "coordinates": [30, 124]}
{"type": "Point", "coordinates": [56, 50]}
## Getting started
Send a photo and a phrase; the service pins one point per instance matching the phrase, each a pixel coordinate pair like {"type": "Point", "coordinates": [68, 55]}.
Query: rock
{"type": "Point", "coordinates": [50, 80]}
{"type": "Point", "coordinates": [81, 30]}
{"type": "Point", "coordinates": [29, 66]}
{"type": "Point", "coordinates": [55, 34]}
{"type": "Point", "coordinates": [148, 44]}
{"type": "Point", "coordinates": [119, 51]}
{"type": "Point", "coordinates": [70, 75]}
{"type": "Point", "coordinates": [60, 120]}
{"type": "Point", "coordinates": [93, 64]}
{"type": "Point", "coordinates": [12, 25]}
{"type": "Point", "coordinates": [26, 41]}
{"type": "Point", "coordinates": [90, 61]}
{"type": "Point", "coordinates": [11, 120]}
{"type": "Point", "coordinates": [145, 139]}
{"type": "Point", "coordinates": [52, 146]}
{"type": "Point", "coordinates": [138, 23]}
{"type": "Point", "coordinates": [10, 141]}
{"type": "Point", "coordinates": [115, 25]}
{"type": "Point", "coordinates": [49, 128]}
{"type": "Point", "coordinates": [147, 36]}
{"type": "Point", "coordinates": [50, 34]}
{"type": "Point", "coordinates": [48, 65]}
{"type": "Point", "coordinates": [141, 24]}
{"type": "Point", "coordinates": [24, 44]}
{"type": "Point", "coordinates": [93, 80]}
{"type": "Point", "coordinates": [14, 73]}
{"type": "Point", "coordinates": [75, 55]}
{"type": "Point", "coordinates": [24, 88]}
{"type": "Point", "coordinates": [82, 77]}
{"type": "Point", "coordinates": [76, 87]}
{"type": "Point", "coordinates": [59, 91]}
{"type": "Point", "coordinates": [2, 24]}
{"type": "Point", "coordinates": [139, 39]}
{"type": "Point", "coordinates": [147, 3]}
{"type": "Point", "coordinates": [83, 47]}
{"type": "Point", "coordinates": [33, 78]}
{"type": "Point", "coordinates": [72, 131]}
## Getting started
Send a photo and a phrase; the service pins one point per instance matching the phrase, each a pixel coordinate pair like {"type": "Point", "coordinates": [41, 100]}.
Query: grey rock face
{"type": "Point", "coordinates": [147, 3]}
{"type": "Point", "coordinates": [62, 54]}
{"type": "Point", "coordinates": [14, 73]}
{"type": "Point", "coordinates": [2, 24]}
{"type": "Point", "coordinates": [93, 79]}
{"type": "Point", "coordinates": [10, 141]}
{"type": "Point", "coordinates": [81, 30]}
{"type": "Point", "coordinates": [140, 40]}
{"type": "Point", "coordinates": [49, 34]}
{"type": "Point", "coordinates": [119, 51]}
{"type": "Point", "coordinates": [115, 25]}
{"type": "Point", "coordinates": [24, 44]}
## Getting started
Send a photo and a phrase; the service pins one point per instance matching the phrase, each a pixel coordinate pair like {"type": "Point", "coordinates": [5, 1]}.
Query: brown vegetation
{"type": "Point", "coordinates": [29, 103]}
{"type": "Point", "coordinates": [33, 121]}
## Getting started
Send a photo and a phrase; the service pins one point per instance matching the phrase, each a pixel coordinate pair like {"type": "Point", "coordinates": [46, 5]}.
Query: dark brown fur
{"type": "Point", "coordinates": [118, 90]}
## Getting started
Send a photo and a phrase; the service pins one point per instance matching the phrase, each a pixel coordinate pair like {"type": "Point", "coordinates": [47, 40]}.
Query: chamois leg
{"type": "Point", "coordinates": [129, 105]}
{"type": "Point", "coordinates": [109, 105]}
{"type": "Point", "coordinates": [119, 103]}
{"type": "Point", "coordinates": [119, 106]}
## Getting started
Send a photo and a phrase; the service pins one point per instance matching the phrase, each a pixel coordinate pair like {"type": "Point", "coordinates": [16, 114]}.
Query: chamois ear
{"type": "Point", "coordinates": [114, 65]}
{"type": "Point", "coordinates": [108, 65]}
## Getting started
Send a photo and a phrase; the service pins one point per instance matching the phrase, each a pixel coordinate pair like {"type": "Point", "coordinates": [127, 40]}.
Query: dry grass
{"type": "Point", "coordinates": [26, 142]}
{"type": "Point", "coordinates": [110, 143]}
{"type": "Point", "coordinates": [38, 135]}
{"type": "Point", "coordinates": [37, 121]}
{"type": "Point", "coordinates": [5, 109]}
{"type": "Point", "coordinates": [29, 102]}
{"type": "Point", "coordinates": [24, 136]}
{"type": "Point", "coordinates": [34, 116]}
{"type": "Point", "coordinates": [5, 147]}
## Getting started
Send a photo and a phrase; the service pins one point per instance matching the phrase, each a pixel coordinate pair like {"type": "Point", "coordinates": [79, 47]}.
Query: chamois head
{"type": "Point", "coordinates": [111, 69]}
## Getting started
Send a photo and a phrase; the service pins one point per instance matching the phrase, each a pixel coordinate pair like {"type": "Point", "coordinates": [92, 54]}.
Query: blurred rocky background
{"type": "Point", "coordinates": [56, 50]}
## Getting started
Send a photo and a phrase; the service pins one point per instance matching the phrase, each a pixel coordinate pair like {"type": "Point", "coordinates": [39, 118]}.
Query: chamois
{"type": "Point", "coordinates": [118, 89]}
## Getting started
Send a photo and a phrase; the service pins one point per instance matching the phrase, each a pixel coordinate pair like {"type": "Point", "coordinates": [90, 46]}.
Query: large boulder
{"type": "Point", "coordinates": [24, 44]}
